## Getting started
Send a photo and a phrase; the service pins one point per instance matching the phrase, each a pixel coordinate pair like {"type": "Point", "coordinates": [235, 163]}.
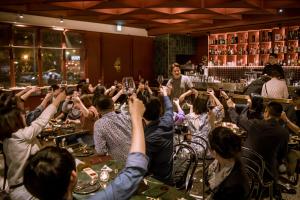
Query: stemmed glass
{"type": "Point", "coordinates": [160, 79]}
{"type": "Point", "coordinates": [129, 85]}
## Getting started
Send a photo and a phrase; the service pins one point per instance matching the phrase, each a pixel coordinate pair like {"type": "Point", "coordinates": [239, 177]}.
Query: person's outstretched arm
{"type": "Point", "coordinates": [126, 183]}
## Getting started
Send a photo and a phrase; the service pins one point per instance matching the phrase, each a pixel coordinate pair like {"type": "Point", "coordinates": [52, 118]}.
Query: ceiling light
{"type": "Point", "coordinates": [119, 27]}
{"type": "Point", "coordinates": [280, 10]}
{"type": "Point", "coordinates": [61, 20]}
{"type": "Point", "coordinates": [57, 28]}
{"type": "Point", "coordinates": [20, 16]}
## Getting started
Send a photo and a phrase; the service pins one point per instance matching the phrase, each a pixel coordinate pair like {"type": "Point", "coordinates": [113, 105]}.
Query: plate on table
{"type": "Point", "coordinates": [84, 187]}
{"type": "Point", "coordinates": [83, 152]}
{"type": "Point", "coordinates": [295, 137]}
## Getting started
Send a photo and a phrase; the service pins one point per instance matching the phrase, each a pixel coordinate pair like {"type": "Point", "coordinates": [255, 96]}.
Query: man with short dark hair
{"type": "Point", "coordinates": [159, 132]}
{"type": "Point", "coordinates": [112, 130]}
{"type": "Point", "coordinates": [267, 137]}
{"type": "Point", "coordinates": [50, 174]}
{"type": "Point", "coordinates": [181, 85]}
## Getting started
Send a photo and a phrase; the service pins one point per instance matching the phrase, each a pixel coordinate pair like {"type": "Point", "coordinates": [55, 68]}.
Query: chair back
{"type": "Point", "coordinates": [201, 163]}
{"type": "Point", "coordinates": [184, 165]}
{"type": "Point", "coordinates": [255, 168]}
{"type": "Point", "coordinates": [253, 159]}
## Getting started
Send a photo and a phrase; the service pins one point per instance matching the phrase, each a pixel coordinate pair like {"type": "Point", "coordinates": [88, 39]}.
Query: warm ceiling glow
{"type": "Point", "coordinates": [25, 57]}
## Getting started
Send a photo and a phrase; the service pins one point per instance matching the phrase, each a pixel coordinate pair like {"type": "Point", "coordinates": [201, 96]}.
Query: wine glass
{"type": "Point", "coordinates": [160, 79]}
{"type": "Point", "coordinates": [129, 85]}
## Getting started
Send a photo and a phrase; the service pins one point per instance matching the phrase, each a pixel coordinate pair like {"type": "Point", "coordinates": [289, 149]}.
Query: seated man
{"type": "Point", "coordinates": [159, 132]}
{"type": "Point", "coordinates": [112, 130]}
{"type": "Point", "coordinates": [51, 173]}
{"type": "Point", "coordinates": [267, 137]}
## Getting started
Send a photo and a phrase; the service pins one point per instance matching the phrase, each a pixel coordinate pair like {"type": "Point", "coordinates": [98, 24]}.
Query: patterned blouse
{"type": "Point", "coordinates": [200, 125]}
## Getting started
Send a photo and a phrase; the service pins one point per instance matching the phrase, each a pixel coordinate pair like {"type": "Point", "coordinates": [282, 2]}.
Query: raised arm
{"type": "Point", "coordinates": [32, 115]}
{"type": "Point", "coordinates": [84, 110]}
{"type": "Point", "coordinates": [126, 183]}
{"type": "Point", "coordinates": [148, 88]}
{"type": "Point", "coordinates": [291, 125]}
{"type": "Point", "coordinates": [136, 110]}
{"type": "Point", "coordinates": [187, 93]}
{"type": "Point", "coordinates": [19, 94]}
{"type": "Point", "coordinates": [117, 96]}
{"type": "Point", "coordinates": [27, 94]}
{"type": "Point", "coordinates": [36, 126]}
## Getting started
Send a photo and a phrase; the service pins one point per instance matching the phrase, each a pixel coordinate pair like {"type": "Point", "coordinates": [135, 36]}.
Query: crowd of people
{"type": "Point", "coordinates": [140, 133]}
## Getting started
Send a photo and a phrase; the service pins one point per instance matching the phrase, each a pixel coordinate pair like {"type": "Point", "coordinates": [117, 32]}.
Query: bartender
{"type": "Point", "coordinates": [180, 85]}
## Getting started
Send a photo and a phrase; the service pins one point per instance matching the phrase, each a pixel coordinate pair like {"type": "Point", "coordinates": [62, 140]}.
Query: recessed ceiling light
{"type": "Point", "coordinates": [280, 10]}
{"type": "Point", "coordinates": [21, 16]}
{"type": "Point", "coordinates": [119, 27]}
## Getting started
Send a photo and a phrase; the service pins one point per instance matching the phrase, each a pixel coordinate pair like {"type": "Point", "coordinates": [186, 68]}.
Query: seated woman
{"type": "Point", "coordinates": [88, 116]}
{"type": "Point", "coordinates": [20, 141]}
{"type": "Point", "coordinates": [202, 119]}
{"type": "Point", "coordinates": [226, 177]}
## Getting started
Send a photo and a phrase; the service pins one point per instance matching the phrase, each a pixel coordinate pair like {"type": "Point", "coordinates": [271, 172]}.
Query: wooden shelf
{"type": "Point", "coordinates": [249, 41]}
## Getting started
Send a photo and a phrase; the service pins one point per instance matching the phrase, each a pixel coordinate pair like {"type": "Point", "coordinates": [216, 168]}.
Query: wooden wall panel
{"type": "Point", "coordinates": [93, 59]}
{"type": "Point", "coordinates": [143, 58]}
{"type": "Point", "coordinates": [201, 47]}
{"type": "Point", "coordinates": [113, 47]}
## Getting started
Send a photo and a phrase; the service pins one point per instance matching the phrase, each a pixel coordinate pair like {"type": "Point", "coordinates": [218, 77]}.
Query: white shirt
{"type": "Point", "coordinates": [24, 143]}
{"type": "Point", "coordinates": [275, 88]}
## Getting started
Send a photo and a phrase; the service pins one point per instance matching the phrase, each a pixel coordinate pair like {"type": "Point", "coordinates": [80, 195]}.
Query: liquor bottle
{"type": "Point", "coordinates": [276, 49]}
{"type": "Point", "coordinates": [289, 60]}
{"type": "Point", "coordinates": [269, 36]}
{"type": "Point", "coordinates": [253, 38]}
{"type": "Point", "coordinates": [285, 49]}
{"type": "Point", "coordinates": [281, 48]}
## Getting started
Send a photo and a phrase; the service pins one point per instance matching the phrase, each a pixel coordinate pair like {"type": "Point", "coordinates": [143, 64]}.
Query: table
{"type": "Point", "coordinates": [150, 188]}
{"type": "Point", "coordinates": [57, 134]}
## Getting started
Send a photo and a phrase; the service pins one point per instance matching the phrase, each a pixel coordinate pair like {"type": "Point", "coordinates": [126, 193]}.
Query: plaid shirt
{"type": "Point", "coordinates": [112, 134]}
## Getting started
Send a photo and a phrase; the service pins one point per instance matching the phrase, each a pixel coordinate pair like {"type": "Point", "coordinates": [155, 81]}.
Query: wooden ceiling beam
{"type": "Point", "coordinates": [256, 3]}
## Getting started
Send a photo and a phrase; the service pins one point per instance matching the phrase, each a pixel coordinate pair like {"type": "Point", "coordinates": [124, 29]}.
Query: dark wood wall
{"type": "Point", "coordinates": [201, 48]}
{"type": "Point", "coordinates": [103, 49]}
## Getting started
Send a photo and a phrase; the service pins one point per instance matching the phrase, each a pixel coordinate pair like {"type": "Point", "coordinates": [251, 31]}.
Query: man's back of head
{"type": "Point", "coordinates": [153, 109]}
{"type": "Point", "coordinates": [47, 174]}
{"type": "Point", "coordinates": [274, 110]}
{"type": "Point", "coordinates": [104, 103]}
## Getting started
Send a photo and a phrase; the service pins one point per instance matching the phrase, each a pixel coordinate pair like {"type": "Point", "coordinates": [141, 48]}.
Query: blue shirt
{"type": "Point", "coordinates": [127, 182]}
{"type": "Point", "coordinates": [159, 144]}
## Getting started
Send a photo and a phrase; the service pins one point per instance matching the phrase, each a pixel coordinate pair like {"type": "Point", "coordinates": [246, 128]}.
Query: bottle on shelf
{"type": "Point", "coordinates": [276, 49]}
{"type": "Point", "coordinates": [289, 60]}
